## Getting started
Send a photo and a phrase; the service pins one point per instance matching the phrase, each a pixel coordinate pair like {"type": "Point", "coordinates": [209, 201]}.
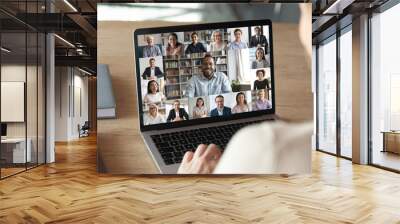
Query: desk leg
{"type": "Point", "coordinates": [384, 142]}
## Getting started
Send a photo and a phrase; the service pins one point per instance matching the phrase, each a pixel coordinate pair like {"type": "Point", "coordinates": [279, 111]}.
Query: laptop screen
{"type": "Point", "coordinates": [207, 72]}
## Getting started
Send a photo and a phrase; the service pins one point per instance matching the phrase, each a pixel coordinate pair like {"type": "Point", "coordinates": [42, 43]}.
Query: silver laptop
{"type": "Point", "coordinates": [200, 84]}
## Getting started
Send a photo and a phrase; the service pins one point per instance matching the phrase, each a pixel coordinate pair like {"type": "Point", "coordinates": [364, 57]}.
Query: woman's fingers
{"type": "Point", "coordinates": [187, 157]}
{"type": "Point", "coordinates": [200, 150]}
{"type": "Point", "coordinates": [212, 152]}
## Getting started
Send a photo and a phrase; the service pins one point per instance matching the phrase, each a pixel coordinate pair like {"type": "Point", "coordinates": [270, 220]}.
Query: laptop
{"type": "Point", "coordinates": [199, 84]}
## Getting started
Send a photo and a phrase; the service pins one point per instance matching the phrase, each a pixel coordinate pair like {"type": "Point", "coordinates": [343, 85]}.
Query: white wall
{"type": "Point", "coordinates": [70, 84]}
{"type": "Point", "coordinates": [61, 103]}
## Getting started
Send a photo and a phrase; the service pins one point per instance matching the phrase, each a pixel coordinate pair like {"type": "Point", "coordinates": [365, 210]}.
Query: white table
{"type": "Point", "coordinates": [16, 147]}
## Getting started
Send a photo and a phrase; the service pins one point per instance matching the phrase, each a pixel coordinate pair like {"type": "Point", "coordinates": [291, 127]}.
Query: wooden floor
{"type": "Point", "coordinates": [70, 191]}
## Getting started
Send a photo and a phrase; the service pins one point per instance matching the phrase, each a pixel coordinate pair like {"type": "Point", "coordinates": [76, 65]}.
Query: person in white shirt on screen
{"type": "Point", "coordinates": [200, 110]}
{"type": "Point", "coordinates": [237, 43]}
{"type": "Point", "coordinates": [210, 82]}
{"type": "Point", "coordinates": [154, 117]}
{"type": "Point", "coordinates": [241, 104]}
{"type": "Point", "coordinates": [217, 44]}
{"type": "Point", "coordinates": [151, 50]}
{"type": "Point", "coordinates": [153, 93]}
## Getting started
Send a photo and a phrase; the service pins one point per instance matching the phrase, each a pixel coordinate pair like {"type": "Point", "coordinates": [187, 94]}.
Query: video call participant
{"type": "Point", "coordinates": [195, 46]}
{"type": "Point", "coordinates": [217, 44]}
{"type": "Point", "coordinates": [237, 43]}
{"type": "Point", "coordinates": [177, 113]}
{"type": "Point", "coordinates": [258, 40]}
{"type": "Point", "coordinates": [220, 110]}
{"type": "Point", "coordinates": [153, 93]}
{"type": "Point", "coordinates": [152, 72]}
{"type": "Point", "coordinates": [210, 82]}
{"type": "Point", "coordinates": [261, 61]}
{"type": "Point", "coordinates": [261, 82]}
{"type": "Point", "coordinates": [154, 117]}
{"type": "Point", "coordinates": [262, 103]}
{"type": "Point", "coordinates": [200, 110]}
{"type": "Point", "coordinates": [241, 104]}
{"type": "Point", "coordinates": [151, 50]}
{"type": "Point", "coordinates": [174, 47]}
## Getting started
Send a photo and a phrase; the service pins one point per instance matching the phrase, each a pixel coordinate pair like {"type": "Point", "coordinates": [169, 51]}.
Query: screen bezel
{"type": "Point", "coordinates": [194, 27]}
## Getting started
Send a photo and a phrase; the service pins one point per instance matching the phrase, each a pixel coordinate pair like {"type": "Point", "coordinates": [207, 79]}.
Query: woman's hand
{"type": "Point", "coordinates": [202, 161]}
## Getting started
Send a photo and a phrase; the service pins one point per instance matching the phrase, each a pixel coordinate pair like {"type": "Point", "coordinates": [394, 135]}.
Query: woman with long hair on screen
{"type": "Point", "coordinates": [153, 93]}
{"type": "Point", "coordinates": [200, 109]}
{"type": "Point", "coordinates": [261, 60]}
{"type": "Point", "coordinates": [241, 104]}
{"type": "Point", "coordinates": [174, 48]}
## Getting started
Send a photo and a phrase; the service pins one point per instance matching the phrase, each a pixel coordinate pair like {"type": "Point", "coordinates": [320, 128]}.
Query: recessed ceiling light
{"type": "Point", "coordinates": [5, 50]}
{"type": "Point", "coordinates": [84, 71]}
{"type": "Point", "coordinates": [70, 5]}
{"type": "Point", "coordinates": [64, 40]}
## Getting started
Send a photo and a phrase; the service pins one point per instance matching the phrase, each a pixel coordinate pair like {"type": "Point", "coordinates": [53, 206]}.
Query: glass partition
{"type": "Point", "coordinates": [327, 96]}
{"type": "Point", "coordinates": [13, 104]}
{"type": "Point", "coordinates": [23, 91]}
{"type": "Point", "coordinates": [385, 89]}
{"type": "Point", "coordinates": [346, 92]}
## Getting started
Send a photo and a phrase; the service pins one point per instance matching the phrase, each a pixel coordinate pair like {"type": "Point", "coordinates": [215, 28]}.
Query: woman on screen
{"type": "Point", "coordinates": [261, 82]}
{"type": "Point", "coordinates": [241, 104]}
{"type": "Point", "coordinates": [199, 111]}
{"type": "Point", "coordinates": [154, 117]}
{"type": "Point", "coordinates": [153, 93]}
{"type": "Point", "coordinates": [174, 47]}
{"type": "Point", "coordinates": [217, 44]}
{"type": "Point", "coordinates": [261, 61]}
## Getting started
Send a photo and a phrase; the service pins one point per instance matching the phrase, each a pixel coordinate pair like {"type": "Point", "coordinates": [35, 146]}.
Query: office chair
{"type": "Point", "coordinates": [84, 130]}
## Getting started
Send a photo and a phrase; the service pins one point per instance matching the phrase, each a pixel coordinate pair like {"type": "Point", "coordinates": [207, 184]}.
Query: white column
{"type": "Point", "coordinates": [50, 100]}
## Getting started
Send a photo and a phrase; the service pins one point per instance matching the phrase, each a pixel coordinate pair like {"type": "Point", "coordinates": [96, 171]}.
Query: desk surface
{"type": "Point", "coordinates": [13, 140]}
{"type": "Point", "coordinates": [120, 147]}
{"type": "Point", "coordinates": [390, 132]}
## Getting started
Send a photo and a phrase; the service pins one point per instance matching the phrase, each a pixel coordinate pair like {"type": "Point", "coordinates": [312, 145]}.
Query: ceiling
{"type": "Point", "coordinates": [74, 22]}
{"type": "Point", "coordinates": [331, 15]}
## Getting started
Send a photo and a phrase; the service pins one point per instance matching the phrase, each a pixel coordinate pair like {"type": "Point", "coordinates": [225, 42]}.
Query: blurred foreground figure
{"type": "Point", "coordinates": [266, 148]}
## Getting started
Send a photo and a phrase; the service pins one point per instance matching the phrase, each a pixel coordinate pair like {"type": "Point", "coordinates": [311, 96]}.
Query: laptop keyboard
{"type": "Point", "coordinates": [172, 146]}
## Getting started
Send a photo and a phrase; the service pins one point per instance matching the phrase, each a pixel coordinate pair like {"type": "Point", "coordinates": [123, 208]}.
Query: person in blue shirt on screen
{"type": "Point", "coordinates": [237, 44]}
{"type": "Point", "coordinates": [151, 50]}
{"type": "Point", "coordinates": [208, 83]}
{"type": "Point", "coordinates": [221, 109]}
